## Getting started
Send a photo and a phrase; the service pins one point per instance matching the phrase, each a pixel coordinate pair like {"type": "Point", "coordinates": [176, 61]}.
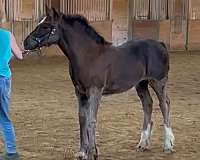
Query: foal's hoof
{"type": "Point", "coordinates": [142, 148]}
{"type": "Point", "coordinates": [81, 156]}
{"type": "Point", "coordinates": [169, 151]}
{"type": "Point", "coordinates": [145, 139]}
{"type": "Point", "coordinates": [84, 156]}
{"type": "Point", "coordinates": [92, 157]}
{"type": "Point", "coordinates": [143, 144]}
{"type": "Point", "coordinates": [169, 144]}
{"type": "Point", "coordinates": [168, 147]}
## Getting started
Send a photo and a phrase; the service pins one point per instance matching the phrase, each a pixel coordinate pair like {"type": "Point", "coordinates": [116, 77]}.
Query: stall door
{"type": "Point", "coordinates": [178, 34]}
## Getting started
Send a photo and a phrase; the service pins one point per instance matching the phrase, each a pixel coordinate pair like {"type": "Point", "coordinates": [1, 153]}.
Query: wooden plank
{"type": "Point", "coordinates": [164, 32]}
{"type": "Point", "coordinates": [2, 12]}
{"type": "Point", "coordinates": [104, 28]}
{"type": "Point", "coordinates": [146, 29]}
{"type": "Point", "coordinates": [193, 35]}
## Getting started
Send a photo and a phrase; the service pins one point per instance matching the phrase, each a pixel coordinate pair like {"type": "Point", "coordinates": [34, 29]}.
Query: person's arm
{"type": "Point", "coordinates": [18, 53]}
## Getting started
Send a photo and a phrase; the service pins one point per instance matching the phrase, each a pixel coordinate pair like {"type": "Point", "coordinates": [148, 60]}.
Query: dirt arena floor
{"type": "Point", "coordinates": [44, 112]}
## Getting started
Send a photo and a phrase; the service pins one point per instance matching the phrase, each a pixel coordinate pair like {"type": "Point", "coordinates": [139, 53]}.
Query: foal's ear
{"type": "Point", "coordinates": [48, 11]}
{"type": "Point", "coordinates": [55, 14]}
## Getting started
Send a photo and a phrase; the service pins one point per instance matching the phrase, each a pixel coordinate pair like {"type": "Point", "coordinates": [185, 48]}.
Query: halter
{"type": "Point", "coordinates": [51, 33]}
{"type": "Point", "coordinates": [39, 40]}
{"type": "Point", "coordinates": [48, 35]}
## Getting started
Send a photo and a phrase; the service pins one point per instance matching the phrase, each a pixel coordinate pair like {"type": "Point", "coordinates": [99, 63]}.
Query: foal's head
{"type": "Point", "coordinates": [54, 26]}
{"type": "Point", "coordinates": [46, 33]}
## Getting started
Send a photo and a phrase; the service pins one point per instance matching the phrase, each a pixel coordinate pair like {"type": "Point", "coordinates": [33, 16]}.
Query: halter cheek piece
{"type": "Point", "coordinates": [40, 39]}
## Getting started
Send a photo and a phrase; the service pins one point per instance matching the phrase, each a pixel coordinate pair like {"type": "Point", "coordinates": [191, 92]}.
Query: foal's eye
{"type": "Point", "coordinates": [45, 27]}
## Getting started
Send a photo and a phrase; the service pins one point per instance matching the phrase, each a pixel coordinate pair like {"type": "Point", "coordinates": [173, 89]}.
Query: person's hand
{"type": "Point", "coordinates": [25, 53]}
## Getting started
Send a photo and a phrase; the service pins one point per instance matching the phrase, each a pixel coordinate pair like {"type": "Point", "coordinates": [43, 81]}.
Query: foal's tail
{"type": "Point", "coordinates": [165, 57]}
{"type": "Point", "coordinates": [165, 48]}
{"type": "Point", "coordinates": [163, 44]}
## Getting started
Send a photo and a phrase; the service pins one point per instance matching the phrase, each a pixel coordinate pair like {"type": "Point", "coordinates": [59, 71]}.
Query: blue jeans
{"type": "Point", "coordinates": [6, 125]}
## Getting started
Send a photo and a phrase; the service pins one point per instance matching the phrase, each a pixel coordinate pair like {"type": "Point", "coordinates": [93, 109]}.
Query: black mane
{"type": "Point", "coordinates": [71, 19]}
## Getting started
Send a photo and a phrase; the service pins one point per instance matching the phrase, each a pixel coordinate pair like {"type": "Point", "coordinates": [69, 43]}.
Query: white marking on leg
{"type": "Point", "coordinates": [81, 155]}
{"type": "Point", "coordinates": [168, 139]}
{"type": "Point", "coordinates": [145, 138]}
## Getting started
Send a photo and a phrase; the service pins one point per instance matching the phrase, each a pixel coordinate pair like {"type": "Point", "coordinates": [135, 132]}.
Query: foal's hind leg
{"type": "Point", "coordinates": [160, 88]}
{"type": "Point", "coordinates": [147, 102]}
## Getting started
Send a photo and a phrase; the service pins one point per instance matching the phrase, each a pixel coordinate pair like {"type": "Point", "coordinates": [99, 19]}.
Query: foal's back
{"type": "Point", "coordinates": [152, 54]}
{"type": "Point", "coordinates": [135, 61]}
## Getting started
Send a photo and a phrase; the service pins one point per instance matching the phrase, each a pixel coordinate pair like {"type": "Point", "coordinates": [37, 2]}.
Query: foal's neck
{"type": "Point", "coordinates": [79, 47]}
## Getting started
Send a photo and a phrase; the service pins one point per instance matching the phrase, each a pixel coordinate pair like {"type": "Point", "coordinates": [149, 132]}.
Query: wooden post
{"type": "Point", "coordinates": [111, 8]}
{"type": "Point", "coordinates": [149, 11]}
{"type": "Point", "coordinates": [167, 10]}
{"type": "Point", "coordinates": [187, 26]}
{"type": "Point", "coordinates": [2, 11]}
{"type": "Point", "coordinates": [130, 20]}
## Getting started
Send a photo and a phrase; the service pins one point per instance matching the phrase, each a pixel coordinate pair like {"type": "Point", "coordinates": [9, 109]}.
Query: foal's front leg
{"type": "Point", "coordinates": [83, 105]}
{"type": "Point", "coordinates": [94, 100]}
{"type": "Point", "coordinates": [87, 119]}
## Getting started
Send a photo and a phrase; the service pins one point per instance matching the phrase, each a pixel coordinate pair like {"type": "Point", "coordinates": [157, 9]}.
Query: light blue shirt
{"type": "Point", "coordinates": [5, 53]}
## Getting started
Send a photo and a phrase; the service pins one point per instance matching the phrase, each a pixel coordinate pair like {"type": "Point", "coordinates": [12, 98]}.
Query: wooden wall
{"type": "Point", "coordinates": [120, 21]}
{"type": "Point", "coordinates": [146, 29]}
{"type": "Point", "coordinates": [104, 28]}
{"type": "Point", "coordinates": [164, 32]}
{"type": "Point", "coordinates": [27, 9]}
{"type": "Point", "coordinates": [56, 4]}
{"type": "Point", "coordinates": [193, 26]}
{"type": "Point", "coordinates": [194, 9]}
{"type": "Point", "coordinates": [117, 29]}
{"type": "Point", "coordinates": [2, 12]}
{"type": "Point", "coordinates": [194, 35]}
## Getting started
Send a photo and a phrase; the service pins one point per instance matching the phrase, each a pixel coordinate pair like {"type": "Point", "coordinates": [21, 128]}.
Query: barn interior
{"type": "Point", "coordinates": [44, 107]}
